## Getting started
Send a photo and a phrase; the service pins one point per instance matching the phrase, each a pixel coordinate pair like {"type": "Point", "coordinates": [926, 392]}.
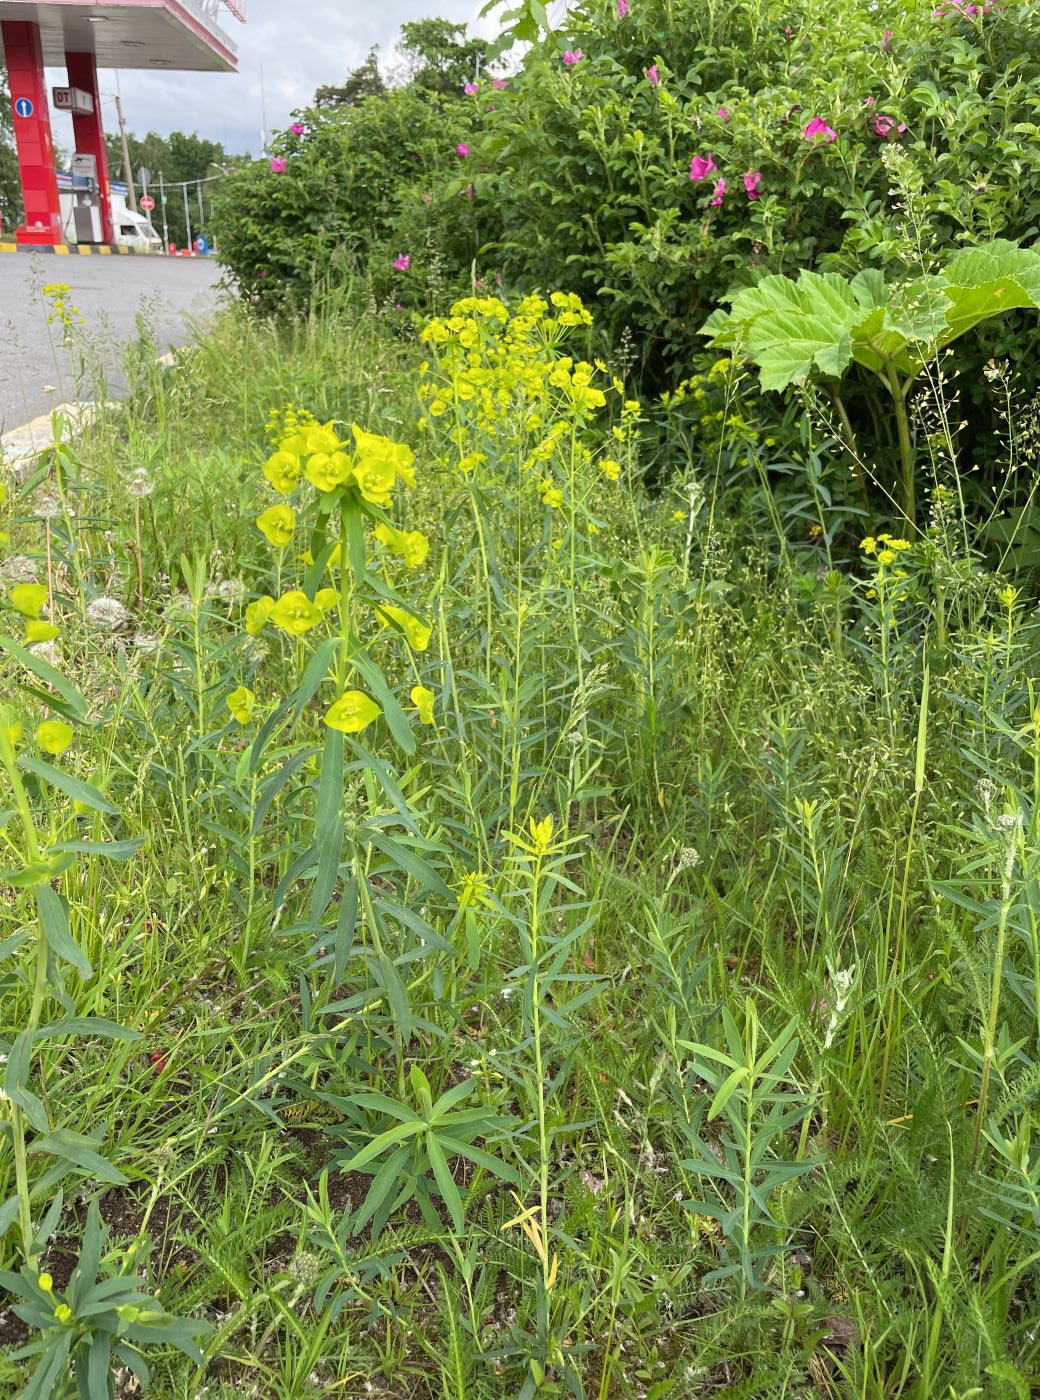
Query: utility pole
{"type": "Point", "coordinates": [202, 212]}
{"type": "Point", "coordinates": [127, 167]}
{"type": "Point", "coordinates": [165, 223]}
{"type": "Point", "coordinates": [187, 215]}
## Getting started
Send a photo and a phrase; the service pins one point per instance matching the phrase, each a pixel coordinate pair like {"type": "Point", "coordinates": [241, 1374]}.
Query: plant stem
{"type": "Point", "coordinates": [906, 451]}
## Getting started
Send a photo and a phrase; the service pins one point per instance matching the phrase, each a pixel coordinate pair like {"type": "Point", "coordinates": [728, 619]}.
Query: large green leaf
{"type": "Point", "coordinates": [820, 323]}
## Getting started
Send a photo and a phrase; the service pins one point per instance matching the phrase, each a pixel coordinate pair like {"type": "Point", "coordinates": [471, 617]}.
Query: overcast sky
{"type": "Point", "coordinates": [295, 44]}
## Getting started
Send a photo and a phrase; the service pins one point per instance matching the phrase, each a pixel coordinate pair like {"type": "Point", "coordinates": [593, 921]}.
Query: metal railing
{"type": "Point", "coordinates": [208, 11]}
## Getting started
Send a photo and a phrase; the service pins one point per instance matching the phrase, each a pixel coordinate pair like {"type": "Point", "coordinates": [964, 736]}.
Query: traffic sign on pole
{"type": "Point", "coordinates": [147, 203]}
{"type": "Point", "coordinates": [24, 107]}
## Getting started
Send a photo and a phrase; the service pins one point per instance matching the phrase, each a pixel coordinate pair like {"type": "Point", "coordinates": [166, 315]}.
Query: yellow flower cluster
{"type": "Point", "coordinates": [884, 548]}
{"type": "Point", "coordinates": [497, 368]}
{"type": "Point", "coordinates": [361, 473]}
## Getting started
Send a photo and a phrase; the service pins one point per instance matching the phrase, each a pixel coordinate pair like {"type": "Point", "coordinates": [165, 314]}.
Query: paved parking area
{"type": "Point", "coordinates": [37, 373]}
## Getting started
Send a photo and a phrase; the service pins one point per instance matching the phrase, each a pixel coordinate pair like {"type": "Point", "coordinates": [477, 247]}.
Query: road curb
{"type": "Point", "coordinates": [97, 250]}
{"type": "Point", "coordinates": [20, 447]}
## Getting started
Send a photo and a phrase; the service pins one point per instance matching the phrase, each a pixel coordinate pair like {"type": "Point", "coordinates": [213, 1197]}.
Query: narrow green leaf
{"type": "Point", "coordinates": [72, 787]}
{"type": "Point", "coordinates": [48, 675]}
{"type": "Point", "coordinates": [55, 919]}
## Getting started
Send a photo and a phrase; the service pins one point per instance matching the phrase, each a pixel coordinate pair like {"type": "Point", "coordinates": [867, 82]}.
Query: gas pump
{"type": "Point", "coordinates": [86, 198]}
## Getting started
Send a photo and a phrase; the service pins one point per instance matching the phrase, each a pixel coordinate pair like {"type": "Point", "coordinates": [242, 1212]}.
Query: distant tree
{"type": "Point", "coordinates": [365, 81]}
{"type": "Point", "coordinates": [438, 55]}
{"type": "Point", "coordinates": [178, 157]}
{"type": "Point", "coordinates": [10, 186]}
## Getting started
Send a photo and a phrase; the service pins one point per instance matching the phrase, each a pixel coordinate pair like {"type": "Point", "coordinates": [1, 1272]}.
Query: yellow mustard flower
{"type": "Point", "coordinates": [416, 633]}
{"type": "Point", "coordinates": [277, 524]}
{"type": "Point", "coordinates": [242, 703]}
{"type": "Point", "coordinates": [257, 614]}
{"type": "Point", "coordinates": [552, 497]}
{"type": "Point", "coordinates": [352, 712]}
{"type": "Point", "coordinates": [679, 516]}
{"type": "Point", "coordinates": [610, 469]}
{"type": "Point", "coordinates": [38, 631]}
{"type": "Point", "coordinates": [295, 613]}
{"type": "Point", "coordinates": [54, 736]}
{"type": "Point", "coordinates": [282, 470]}
{"type": "Point", "coordinates": [423, 699]}
{"type": "Point", "coordinates": [28, 598]}
{"type": "Point", "coordinates": [327, 470]}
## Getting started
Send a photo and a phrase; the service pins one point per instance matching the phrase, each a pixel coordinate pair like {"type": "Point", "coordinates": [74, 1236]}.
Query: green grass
{"type": "Point", "coordinates": [724, 1029]}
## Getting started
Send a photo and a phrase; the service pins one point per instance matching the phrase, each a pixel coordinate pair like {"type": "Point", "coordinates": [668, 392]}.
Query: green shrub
{"type": "Point", "coordinates": [363, 184]}
{"type": "Point", "coordinates": [592, 160]}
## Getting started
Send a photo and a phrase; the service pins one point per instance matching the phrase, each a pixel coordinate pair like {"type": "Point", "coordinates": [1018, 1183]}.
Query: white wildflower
{"type": "Point", "coordinates": [19, 569]}
{"type": "Point", "coordinates": [107, 614]}
{"type": "Point", "coordinates": [140, 483]}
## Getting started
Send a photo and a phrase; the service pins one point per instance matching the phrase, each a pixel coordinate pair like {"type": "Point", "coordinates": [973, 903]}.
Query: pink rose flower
{"type": "Point", "coordinates": [622, 8]}
{"type": "Point", "coordinates": [499, 83]}
{"type": "Point", "coordinates": [720, 194]}
{"type": "Point", "coordinates": [653, 75]}
{"type": "Point", "coordinates": [723, 115]}
{"type": "Point", "coordinates": [402, 262]}
{"type": "Point", "coordinates": [701, 167]}
{"type": "Point", "coordinates": [570, 58]}
{"type": "Point", "coordinates": [886, 43]}
{"type": "Point", "coordinates": [752, 180]}
{"type": "Point", "coordinates": [297, 128]}
{"type": "Point", "coordinates": [818, 127]}
{"type": "Point", "coordinates": [462, 150]}
{"type": "Point", "coordinates": [471, 88]}
{"type": "Point", "coordinates": [278, 165]}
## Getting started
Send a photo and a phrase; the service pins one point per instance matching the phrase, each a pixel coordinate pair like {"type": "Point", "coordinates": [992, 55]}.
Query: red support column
{"type": "Point", "coordinates": [32, 133]}
{"type": "Point", "coordinates": [89, 132]}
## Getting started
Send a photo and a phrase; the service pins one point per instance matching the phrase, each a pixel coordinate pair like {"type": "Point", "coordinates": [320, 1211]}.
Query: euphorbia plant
{"type": "Point", "coordinates": [817, 326]}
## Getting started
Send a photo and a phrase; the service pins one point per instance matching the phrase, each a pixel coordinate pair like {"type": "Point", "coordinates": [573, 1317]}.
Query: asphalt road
{"type": "Point", "coordinates": [37, 373]}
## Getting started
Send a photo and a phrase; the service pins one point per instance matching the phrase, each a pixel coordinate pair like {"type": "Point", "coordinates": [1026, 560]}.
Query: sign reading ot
{"type": "Point", "coordinates": [23, 107]}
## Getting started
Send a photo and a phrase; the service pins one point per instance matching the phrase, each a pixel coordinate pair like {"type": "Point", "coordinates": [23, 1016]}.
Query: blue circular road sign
{"type": "Point", "coordinates": [23, 107]}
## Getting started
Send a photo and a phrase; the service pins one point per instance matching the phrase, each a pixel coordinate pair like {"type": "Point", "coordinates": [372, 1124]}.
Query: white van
{"type": "Point", "coordinates": [130, 229]}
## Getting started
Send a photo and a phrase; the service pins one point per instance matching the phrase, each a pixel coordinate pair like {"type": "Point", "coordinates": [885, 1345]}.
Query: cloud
{"type": "Point", "coordinates": [286, 51]}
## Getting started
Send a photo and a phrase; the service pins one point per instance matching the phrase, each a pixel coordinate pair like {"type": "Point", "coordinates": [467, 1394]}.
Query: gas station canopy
{"type": "Point", "coordinates": [156, 34]}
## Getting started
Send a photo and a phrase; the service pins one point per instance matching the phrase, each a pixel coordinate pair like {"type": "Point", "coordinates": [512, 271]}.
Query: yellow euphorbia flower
{"type": "Point", "coordinates": [28, 598]}
{"type": "Point", "coordinates": [257, 614]}
{"type": "Point", "coordinates": [868, 545]}
{"type": "Point", "coordinates": [423, 699]}
{"type": "Point", "coordinates": [278, 525]}
{"type": "Point", "coordinates": [327, 470]}
{"type": "Point", "coordinates": [416, 548]}
{"type": "Point", "coordinates": [411, 545]}
{"type": "Point", "coordinates": [398, 455]}
{"type": "Point", "coordinates": [38, 631]}
{"type": "Point", "coordinates": [326, 598]}
{"type": "Point", "coordinates": [295, 613]}
{"type": "Point", "coordinates": [541, 834]}
{"type": "Point", "coordinates": [10, 727]}
{"type": "Point", "coordinates": [352, 712]}
{"type": "Point", "coordinates": [375, 479]}
{"type": "Point", "coordinates": [886, 556]}
{"type": "Point", "coordinates": [283, 471]}
{"type": "Point", "coordinates": [474, 893]}
{"type": "Point", "coordinates": [242, 703]}
{"type": "Point", "coordinates": [54, 736]}
{"type": "Point", "coordinates": [322, 437]}
{"type": "Point", "coordinates": [416, 633]}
